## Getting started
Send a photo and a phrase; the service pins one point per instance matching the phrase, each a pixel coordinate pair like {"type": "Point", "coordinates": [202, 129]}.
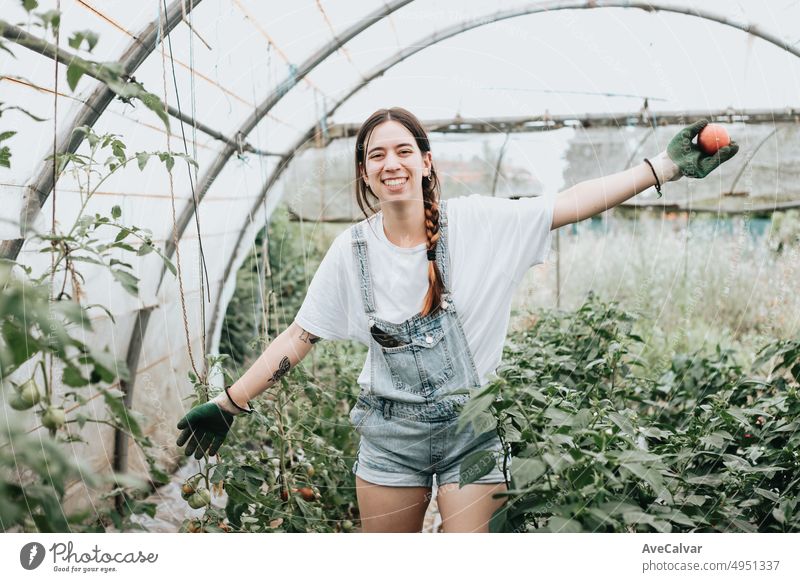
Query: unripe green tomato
{"type": "Point", "coordinates": [29, 392]}
{"type": "Point", "coordinates": [347, 525]}
{"type": "Point", "coordinates": [311, 393]}
{"type": "Point", "coordinates": [200, 498]}
{"type": "Point", "coordinates": [18, 403]}
{"type": "Point", "coordinates": [310, 471]}
{"type": "Point", "coordinates": [273, 431]}
{"type": "Point", "coordinates": [205, 494]}
{"type": "Point", "coordinates": [54, 418]}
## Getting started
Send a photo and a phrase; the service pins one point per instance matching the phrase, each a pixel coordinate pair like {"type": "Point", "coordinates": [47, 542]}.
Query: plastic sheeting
{"type": "Point", "coordinates": [224, 61]}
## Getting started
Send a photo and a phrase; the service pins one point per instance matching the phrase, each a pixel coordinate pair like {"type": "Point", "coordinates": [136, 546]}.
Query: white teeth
{"type": "Point", "coordinates": [395, 181]}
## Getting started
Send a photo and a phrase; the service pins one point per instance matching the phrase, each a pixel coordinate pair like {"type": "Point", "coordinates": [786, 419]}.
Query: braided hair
{"type": "Point", "coordinates": [430, 193]}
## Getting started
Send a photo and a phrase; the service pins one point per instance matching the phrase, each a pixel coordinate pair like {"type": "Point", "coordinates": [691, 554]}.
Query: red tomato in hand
{"type": "Point", "coordinates": [713, 137]}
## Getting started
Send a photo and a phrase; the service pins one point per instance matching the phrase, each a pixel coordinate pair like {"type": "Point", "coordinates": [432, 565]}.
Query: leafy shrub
{"type": "Point", "coordinates": [40, 345]}
{"type": "Point", "coordinates": [600, 444]}
{"type": "Point", "coordinates": [287, 466]}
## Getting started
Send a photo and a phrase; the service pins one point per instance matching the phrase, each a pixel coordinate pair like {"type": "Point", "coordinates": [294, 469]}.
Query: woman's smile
{"type": "Point", "coordinates": [395, 184]}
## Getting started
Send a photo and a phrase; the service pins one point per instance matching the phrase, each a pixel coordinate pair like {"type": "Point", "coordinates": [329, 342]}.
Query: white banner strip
{"type": "Point", "coordinates": [353, 557]}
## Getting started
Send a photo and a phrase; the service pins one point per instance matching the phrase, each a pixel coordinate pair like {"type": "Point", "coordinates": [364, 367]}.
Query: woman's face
{"type": "Point", "coordinates": [393, 163]}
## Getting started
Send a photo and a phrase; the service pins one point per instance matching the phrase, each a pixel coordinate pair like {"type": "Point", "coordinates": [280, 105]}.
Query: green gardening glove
{"type": "Point", "coordinates": [690, 159]}
{"type": "Point", "coordinates": [205, 428]}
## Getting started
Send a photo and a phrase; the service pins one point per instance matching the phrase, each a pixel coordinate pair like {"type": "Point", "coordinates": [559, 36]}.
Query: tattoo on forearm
{"type": "Point", "coordinates": [283, 369]}
{"type": "Point", "coordinates": [309, 338]}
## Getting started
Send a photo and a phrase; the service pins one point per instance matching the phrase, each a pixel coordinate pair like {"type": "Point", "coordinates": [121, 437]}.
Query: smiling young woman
{"type": "Point", "coordinates": [427, 285]}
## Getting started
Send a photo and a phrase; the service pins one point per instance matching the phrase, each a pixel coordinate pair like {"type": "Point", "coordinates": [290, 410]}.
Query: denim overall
{"type": "Point", "coordinates": [421, 373]}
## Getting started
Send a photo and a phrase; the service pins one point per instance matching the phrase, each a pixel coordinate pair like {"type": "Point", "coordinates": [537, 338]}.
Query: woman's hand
{"type": "Point", "coordinates": [690, 159]}
{"type": "Point", "coordinates": [204, 428]}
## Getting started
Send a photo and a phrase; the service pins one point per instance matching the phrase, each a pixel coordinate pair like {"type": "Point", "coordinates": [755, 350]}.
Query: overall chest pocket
{"type": "Point", "coordinates": [422, 365]}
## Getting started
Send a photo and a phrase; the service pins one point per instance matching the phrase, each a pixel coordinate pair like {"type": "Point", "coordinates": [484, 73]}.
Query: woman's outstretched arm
{"type": "Point", "coordinates": [682, 158]}
{"type": "Point", "coordinates": [592, 197]}
{"type": "Point", "coordinates": [282, 354]}
{"type": "Point", "coordinates": [205, 427]}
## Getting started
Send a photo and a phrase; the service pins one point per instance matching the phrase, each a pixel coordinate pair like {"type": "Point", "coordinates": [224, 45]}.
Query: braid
{"type": "Point", "coordinates": [432, 224]}
{"type": "Point", "coordinates": [435, 286]}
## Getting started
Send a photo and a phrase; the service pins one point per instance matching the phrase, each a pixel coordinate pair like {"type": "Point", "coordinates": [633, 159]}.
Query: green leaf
{"type": "Point", "coordinates": [558, 524]}
{"type": "Point", "coordinates": [156, 106]}
{"type": "Point", "coordinates": [738, 415]}
{"type": "Point", "coordinates": [168, 160]}
{"type": "Point", "coordinates": [104, 365]}
{"type": "Point", "coordinates": [124, 246]}
{"type": "Point", "coordinates": [74, 73]}
{"type": "Point", "coordinates": [129, 282]}
{"type": "Point", "coordinates": [474, 466]}
{"type": "Point", "coordinates": [712, 480]}
{"type": "Point", "coordinates": [189, 159]}
{"type": "Point", "coordinates": [639, 517]}
{"type": "Point", "coordinates": [655, 432]}
{"type": "Point", "coordinates": [651, 477]}
{"type": "Point", "coordinates": [5, 157]}
{"type": "Point", "coordinates": [717, 439]}
{"type": "Point", "coordinates": [116, 211]}
{"type": "Point", "coordinates": [636, 456]}
{"type": "Point", "coordinates": [170, 265]}
{"type": "Point", "coordinates": [558, 416]}
{"type": "Point", "coordinates": [29, 5]}
{"type": "Point", "coordinates": [121, 413]}
{"type": "Point", "coordinates": [525, 471]}
{"type": "Point", "coordinates": [73, 377]}
{"type": "Point", "coordinates": [475, 411]}
{"type": "Point", "coordinates": [50, 19]}
{"type": "Point", "coordinates": [141, 159]}
{"type": "Point", "coordinates": [562, 439]}
{"type": "Point", "coordinates": [85, 259]}
{"type": "Point", "coordinates": [118, 149]}
{"type": "Point", "coordinates": [19, 343]}
{"type": "Point", "coordinates": [5, 151]}
{"type": "Point", "coordinates": [145, 249]}
{"type": "Point", "coordinates": [622, 422]}
{"type": "Point", "coordinates": [79, 36]}
{"type": "Point", "coordinates": [157, 475]}
{"type": "Point", "coordinates": [771, 495]}
{"type": "Point", "coordinates": [81, 418]}
{"type": "Point", "coordinates": [122, 263]}
{"type": "Point", "coordinates": [680, 518]}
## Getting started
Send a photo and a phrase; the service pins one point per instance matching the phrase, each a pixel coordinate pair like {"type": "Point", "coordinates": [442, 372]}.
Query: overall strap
{"type": "Point", "coordinates": [359, 244]}
{"type": "Point", "coordinates": [442, 256]}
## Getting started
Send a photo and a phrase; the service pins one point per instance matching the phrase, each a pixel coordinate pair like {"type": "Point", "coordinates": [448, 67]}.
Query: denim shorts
{"type": "Point", "coordinates": [405, 445]}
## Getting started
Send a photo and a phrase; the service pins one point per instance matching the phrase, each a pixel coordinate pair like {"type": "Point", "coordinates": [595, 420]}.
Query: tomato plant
{"type": "Point", "coordinates": [599, 443]}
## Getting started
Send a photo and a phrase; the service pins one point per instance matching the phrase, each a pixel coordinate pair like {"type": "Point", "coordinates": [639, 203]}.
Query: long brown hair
{"type": "Point", "coordinates": [430, 191]}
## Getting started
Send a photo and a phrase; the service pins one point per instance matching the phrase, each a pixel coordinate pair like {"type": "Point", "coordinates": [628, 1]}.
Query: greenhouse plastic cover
{"type": "Point", "coordinates": [228, 59]}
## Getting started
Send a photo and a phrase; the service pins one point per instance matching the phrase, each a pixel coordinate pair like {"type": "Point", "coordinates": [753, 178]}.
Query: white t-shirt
{"type": "Point", "coordinates": [492, 243]}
